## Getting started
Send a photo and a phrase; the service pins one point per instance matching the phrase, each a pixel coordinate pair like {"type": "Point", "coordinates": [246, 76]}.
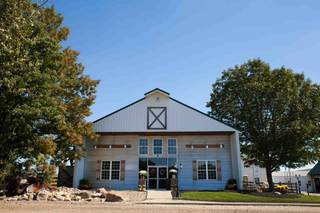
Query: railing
{"type": "Point", "coordinates": [261, 186]}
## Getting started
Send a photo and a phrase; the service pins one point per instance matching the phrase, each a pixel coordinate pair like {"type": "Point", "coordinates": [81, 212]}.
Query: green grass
{"type": "Point", "coordinates": [240, 197]}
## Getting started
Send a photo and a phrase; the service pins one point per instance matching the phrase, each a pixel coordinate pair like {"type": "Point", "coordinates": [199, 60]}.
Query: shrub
{"type": "Point", "coordinates": [282, 188]}
{"type": "Point", "coordinates": [84, 184]}
{"type": "Point", "coordinates": [231, 184]}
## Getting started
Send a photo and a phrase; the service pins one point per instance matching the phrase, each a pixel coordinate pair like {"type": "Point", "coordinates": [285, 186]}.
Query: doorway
{"type": "Point", "coordinates": [157, 177]}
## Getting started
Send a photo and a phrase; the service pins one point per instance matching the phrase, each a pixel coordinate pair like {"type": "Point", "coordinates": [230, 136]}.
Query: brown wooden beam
{"type": "Point", "coordinates": [203, 146]}
{"type": "Point", "coordinates": [104, 146]}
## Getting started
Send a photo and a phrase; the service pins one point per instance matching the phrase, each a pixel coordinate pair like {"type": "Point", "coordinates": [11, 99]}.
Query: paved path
{"type": "Point", "coordinates": [89, 207]}
{"type": "Point", "coordinates": [159, 196]}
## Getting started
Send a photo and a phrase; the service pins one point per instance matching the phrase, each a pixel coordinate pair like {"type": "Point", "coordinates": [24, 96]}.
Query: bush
{"type": "Point", "coordinates": [282, 188]}
{"type": "Point", "coordinates": [84, 184]}
{"type": "Point", "coordinates": [231, 184]}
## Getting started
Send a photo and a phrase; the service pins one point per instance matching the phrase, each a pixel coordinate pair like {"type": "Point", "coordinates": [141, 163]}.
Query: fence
{"type": "Point", "coordinates": [252, 186]}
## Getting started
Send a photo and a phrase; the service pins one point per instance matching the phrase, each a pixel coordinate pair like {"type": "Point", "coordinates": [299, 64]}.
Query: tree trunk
{"type": "Point", "coordinates": [269, 177]}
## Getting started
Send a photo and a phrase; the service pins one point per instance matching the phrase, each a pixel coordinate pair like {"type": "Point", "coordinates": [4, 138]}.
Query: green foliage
{"type": "Point", "coordinates": [276, 110]}
{"type": "Point", "coordinates": [44, 93]}
{"type": "Point", "coordinates": [282, 188]}
{"type": "Point", "coordinates": [40, 167]}
{"type": "Point", "coordinates": [231, 184]}
{"type": "Point", "coordinates": [84, 184]}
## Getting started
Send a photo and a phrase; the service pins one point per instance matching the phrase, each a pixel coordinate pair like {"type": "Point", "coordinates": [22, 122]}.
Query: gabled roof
{"type": "Point", "coordinates": [315, 170]}
{"type": "Point", "coordinates": [157, 90]}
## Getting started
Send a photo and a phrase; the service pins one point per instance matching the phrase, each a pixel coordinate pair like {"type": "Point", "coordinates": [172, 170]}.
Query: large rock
{"type": "Point", "coordinates": [24, 197]}
{"type": "Point", "coordinates": [96, 195]}
{"type": "Point", "coordinates": [43, 194]}
{"type": "Point", "coordinates": [102, 191]}
{"type": "Point", "coordinates": [67, 198]}
{"type": "Point", "coordinates": [30, 196]}
{"type": "Point", "coordinates": [59, 197]}
{"type": "Point", "coordinates": [113, 198]}
{"type": "Point", "coordinates": [84, 194]}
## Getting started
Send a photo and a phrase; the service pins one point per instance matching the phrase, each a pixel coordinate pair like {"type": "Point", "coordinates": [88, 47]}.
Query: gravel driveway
{"type": "Point", "coordinates": [127, 207]}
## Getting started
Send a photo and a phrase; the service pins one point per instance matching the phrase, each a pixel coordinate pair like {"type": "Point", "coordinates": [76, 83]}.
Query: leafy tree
{"type": "Point", "coordinates": [44, 94]}
{"type": "Point", "coordinates": [276, 110]}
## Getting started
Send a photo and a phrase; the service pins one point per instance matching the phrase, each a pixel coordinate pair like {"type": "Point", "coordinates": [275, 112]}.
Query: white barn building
{"type": "Point", "coordinates": [157, 133]}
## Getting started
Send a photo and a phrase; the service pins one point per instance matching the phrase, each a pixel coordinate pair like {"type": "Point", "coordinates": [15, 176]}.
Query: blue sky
{"type": "Point", "coordinates": [182, 46]}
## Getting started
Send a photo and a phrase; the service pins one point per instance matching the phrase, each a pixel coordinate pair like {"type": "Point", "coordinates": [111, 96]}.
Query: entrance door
{"type": "Point", "coordinates": [157, 177]}
{"type": "Point", "coordinates": [317, 184]}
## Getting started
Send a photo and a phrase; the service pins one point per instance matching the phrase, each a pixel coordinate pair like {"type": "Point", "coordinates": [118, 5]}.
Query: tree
{"type": "Point", "coordinates": [276, 110]}
{"type": "Point", "coordinates": [44, 94]}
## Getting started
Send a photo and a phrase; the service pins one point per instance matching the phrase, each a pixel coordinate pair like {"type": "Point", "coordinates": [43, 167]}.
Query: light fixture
{"type": "Point", "coordinates": [110, 146]}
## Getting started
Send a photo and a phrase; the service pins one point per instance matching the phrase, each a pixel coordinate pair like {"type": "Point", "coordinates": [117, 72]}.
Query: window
{"type": "Point", "coordinates": [257, 180]}
{"type": "Point", "coordinates": [110, 170]}
{"type": "Point", "coordinates": [207, 170]}
{"type": "Point", "coordinates": [115, 172]}
{"type": "Point", "coordinates": [172, 146]}
{"type": "Point", "coordinates": [143, 146]}
{"type": "Point", "coordinates": [105, 170]}
{"type": "Point", "coordinates": [157, 146]}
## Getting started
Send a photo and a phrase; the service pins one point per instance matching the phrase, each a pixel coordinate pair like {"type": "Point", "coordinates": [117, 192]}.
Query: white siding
{"type": "Point", "coordinates": [180, 118]}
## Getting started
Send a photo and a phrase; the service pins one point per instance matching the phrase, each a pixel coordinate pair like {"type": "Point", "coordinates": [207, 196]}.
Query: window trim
{"type": "Point", "coordinates": [207, 171]}
{"type": "Point", "coordinates": [110, 170]}
{"type": "Point", "coordinates": [153, 146]}
{"type": "Point", "coordinates": [172, 146]}
{"type": "Point", "coordinates": [140, 146]}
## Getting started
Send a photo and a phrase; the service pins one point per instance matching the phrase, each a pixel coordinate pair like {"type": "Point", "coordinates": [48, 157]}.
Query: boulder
{"type": "Point", "coordinates": [96, 195]}
{"type": "Point", "coordinates": [67, 198]}
{"type": "Point", "coordinates": [43, 194]}
{"type": "Point", "coordinates": [77, 198]}
{"type": "Point", "coordinates": [277, 193]}
{"type": "Point", "coordinates": [24, 197]}
{"type": "Point", "coordinates": [102, 191]}
{"type": "Point", "coordinates": [110, 197]}
{"type": "Point", "coordinates": [88, 199]}
{"type": "Point", "coordinates": [59, 197]}
{"type": "Point", "coordinates": [84, 194]}
{"type": "Point", "coordinates": [15, 198]}
{"type": "Point", "coordinates": [30, 196]}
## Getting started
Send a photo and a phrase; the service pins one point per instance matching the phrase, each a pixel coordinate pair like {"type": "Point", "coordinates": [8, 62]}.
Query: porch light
{"type": "Point", "coordinates": [110, 146]}
{"type": "Point", "coordinates": [125, 146]}
{"type": "Point", "coordinates": [221, 146]}
{"type": "Point", "coordinates": [192, 147]}
{"type": "Point", "coordinates": [95, 146]}
{"type": "Point", "coordinates": [207, 146]}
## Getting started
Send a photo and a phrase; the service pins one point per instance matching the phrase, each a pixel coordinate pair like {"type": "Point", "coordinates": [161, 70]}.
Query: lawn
{"type": "Point", "coordinates": [240, 197]}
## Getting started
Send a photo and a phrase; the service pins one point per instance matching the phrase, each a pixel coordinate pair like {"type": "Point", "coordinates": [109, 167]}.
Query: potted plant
{"type": "Point", "coordinates": [142, 180]}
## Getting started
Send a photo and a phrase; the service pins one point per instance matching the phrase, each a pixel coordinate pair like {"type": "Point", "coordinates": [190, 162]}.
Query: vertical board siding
{"type": "Point", "coordinates": [179, 118]}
